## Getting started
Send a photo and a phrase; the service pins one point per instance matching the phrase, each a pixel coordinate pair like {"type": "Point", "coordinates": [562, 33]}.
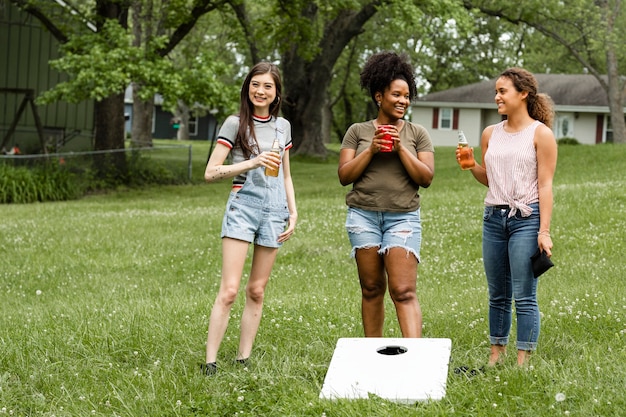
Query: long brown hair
{"type": "Point", "coordinates": [246, 108]}
{"type": "Point", "coordinates": [540, 106]}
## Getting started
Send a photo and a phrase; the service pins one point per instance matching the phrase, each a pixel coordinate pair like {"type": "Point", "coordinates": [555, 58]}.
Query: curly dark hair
{"type": "Point", "coordinates": [383, 68]}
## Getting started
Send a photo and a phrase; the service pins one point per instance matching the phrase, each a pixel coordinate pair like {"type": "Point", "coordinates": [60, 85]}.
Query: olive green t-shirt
{"type": "Point", "coordinates": [385, 184]}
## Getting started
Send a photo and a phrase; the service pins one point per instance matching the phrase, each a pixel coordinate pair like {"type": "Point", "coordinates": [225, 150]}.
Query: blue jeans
{"type": "Point", "coordinates": [508, 244]}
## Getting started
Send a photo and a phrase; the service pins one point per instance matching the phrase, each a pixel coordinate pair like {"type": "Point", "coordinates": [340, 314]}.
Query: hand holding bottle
{"type": "Point", "coordinates": [464, 153]}
{"type": "Point", "coordinates": [273, 160]}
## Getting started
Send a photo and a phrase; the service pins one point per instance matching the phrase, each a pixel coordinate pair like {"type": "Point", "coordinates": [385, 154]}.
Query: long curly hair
{"type": "Point", "coordinates": [384, 67]}
{"type": "Point", "coordinates": [246, 108]}
{"type": "Point", "coordinates": [540, 106]}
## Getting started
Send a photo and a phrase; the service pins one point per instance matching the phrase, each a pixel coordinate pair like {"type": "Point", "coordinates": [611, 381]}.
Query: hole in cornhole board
{"type": "Point", "coordinates": [392, 350]}
{"type": "Point", "coordinates": [404, 370]}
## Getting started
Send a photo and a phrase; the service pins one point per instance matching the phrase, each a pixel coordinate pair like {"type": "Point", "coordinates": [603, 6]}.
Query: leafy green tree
{"type": "Point", "coordinates": [448, 46]}
{"type": "Point", "coordinates": [310, 38]}
{"type": "Point", "coordinates": [102, 56]}
{"type": "Point", "coordinates": [189, 75]}
{"type": "Point", "coordinates": [322, 45]}
{"type": "Point", "coordinates": [592, 31]}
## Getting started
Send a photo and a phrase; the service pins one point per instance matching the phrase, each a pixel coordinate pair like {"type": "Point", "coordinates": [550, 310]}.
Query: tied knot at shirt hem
{"type": "Point", "coordinates": [524, 209]}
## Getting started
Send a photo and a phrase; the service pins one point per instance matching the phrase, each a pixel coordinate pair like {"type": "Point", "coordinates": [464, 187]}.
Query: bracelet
{"type": "Point", "coordinates": [544, 232]}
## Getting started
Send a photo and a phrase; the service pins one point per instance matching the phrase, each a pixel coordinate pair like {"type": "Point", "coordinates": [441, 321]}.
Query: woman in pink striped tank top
{"type": "Point", "coordinates": [518, 163]}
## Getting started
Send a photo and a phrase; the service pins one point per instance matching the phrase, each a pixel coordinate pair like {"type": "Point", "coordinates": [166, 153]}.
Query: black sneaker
{"type": "Point", "coordinates": [245, 362]}
{"type": "Point", "coordinates": [466, 370]}
{"type": "Point", "coordinates": [208, 368]}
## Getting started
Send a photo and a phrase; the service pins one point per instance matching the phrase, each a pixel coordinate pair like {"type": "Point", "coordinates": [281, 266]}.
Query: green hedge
{"type": "Point", "coordinates": [568, 141]}
{"type": "Point", "coordinates": [51, 182]}
{"type": "Point", "coordinates": [69, 178]}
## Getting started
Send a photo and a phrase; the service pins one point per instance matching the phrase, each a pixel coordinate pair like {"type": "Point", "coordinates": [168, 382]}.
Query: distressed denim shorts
{"type": "Point", "coordinates": [384, 230]}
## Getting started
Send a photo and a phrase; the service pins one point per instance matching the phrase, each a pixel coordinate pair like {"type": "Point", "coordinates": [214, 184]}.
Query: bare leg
{"type": "Point", "coordinates": [373, 287]}
{"type": "Point", "coordinates": [523, 356]}
{"type": "Point", "coordinates": [262, 263]}
{"type": "Point", "coordinates": [402, 270]}
{"type": "Point", "coordinates": [234, 254]}
{"type": "Point", "coordinates": [496, 354]}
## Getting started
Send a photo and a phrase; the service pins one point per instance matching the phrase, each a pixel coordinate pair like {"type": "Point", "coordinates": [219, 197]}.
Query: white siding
{"type": "Point", "coordinates": [472, 121]}
{"type": "Point", "coordinates": [469, 122]}
{"type": "Point", "coordinates": [584, 127]}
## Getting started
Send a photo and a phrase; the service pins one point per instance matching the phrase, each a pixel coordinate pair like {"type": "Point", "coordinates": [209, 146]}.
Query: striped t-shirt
{"type": "Point", "coordinates": [511, 164]}
{"type": "Point", "coordinates": [266, 130]}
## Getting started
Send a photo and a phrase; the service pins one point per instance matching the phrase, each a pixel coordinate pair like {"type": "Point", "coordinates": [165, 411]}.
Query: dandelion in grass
{"type": "Point", "coordinates": [559, 397]}
{"type": "Point", "coordinates": [38, 292]}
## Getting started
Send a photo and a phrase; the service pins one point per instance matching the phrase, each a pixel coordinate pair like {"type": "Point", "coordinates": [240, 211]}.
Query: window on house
{"type": "Point", "coordinates": [609, 129]}
{"type": "Point", "coordinates": [445, 118]}
{"type": "Point", "coordinates": [565, 126]}
{"type": "Point", "coordinates": [193, 125]}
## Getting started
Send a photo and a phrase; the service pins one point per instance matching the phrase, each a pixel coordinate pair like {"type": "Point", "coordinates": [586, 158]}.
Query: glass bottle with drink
{"type": "Point", "coordinates": [273, 172]}
{"type": "Point", "coordinates": [466, 159]}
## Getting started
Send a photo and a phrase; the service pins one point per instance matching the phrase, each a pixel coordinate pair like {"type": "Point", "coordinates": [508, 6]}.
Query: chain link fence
{"type": "Point", "coordinates": [67, 175]}
{"type": "Point", "coordinates": [172, 161]}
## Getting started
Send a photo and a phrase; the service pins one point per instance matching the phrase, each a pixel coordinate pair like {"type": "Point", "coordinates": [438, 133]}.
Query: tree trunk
{"type": "Point", "coordinates": [109, 112]}
{"type": "Point", "coordinates": [616, 100]}
{"type": "Point", "coordinates": [303, 107]}
{"type": "Point", "coordinates": [616, 85]}
{"type": "Point", "coordinates": [109, 135]}
{"type": "Point", "coordinates": [327, 123]}
{"type": "Point", "coordinates": [307, 82]}
{"type": "Point", "coordinates": [141, 131]}
{"type": "Point", "coordinates": [182, 113]}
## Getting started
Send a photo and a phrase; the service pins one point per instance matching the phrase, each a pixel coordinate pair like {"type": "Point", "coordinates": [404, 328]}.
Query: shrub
{"type": "Point", "coordinates": [48, 182]}
{"type": "Point", "coordinates": [71, 176]}
{"type": "Point", "coordinates": [568, 141]}
{"type": "Point", "coordinates": [145, 170]}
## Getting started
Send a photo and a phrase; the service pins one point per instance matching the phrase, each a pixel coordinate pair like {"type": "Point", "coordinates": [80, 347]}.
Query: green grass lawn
{"type": "Point", "coordinates": [105, 301]}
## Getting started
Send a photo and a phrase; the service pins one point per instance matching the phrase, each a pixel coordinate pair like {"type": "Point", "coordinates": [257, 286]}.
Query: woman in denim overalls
{"type": "Point", "coordinates": [261, 209]}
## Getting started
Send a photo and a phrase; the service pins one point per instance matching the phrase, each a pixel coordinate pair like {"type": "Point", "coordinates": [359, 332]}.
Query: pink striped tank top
{"type": "Point", "coordinates": [511, 164]}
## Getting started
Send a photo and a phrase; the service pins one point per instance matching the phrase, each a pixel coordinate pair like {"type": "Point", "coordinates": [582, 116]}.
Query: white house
{"type": "Point", "coordinates": [581, 105]}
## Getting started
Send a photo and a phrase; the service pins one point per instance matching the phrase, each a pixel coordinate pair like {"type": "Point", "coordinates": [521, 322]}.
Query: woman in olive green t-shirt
{"type": "Point", "coordinates": [386, 160]}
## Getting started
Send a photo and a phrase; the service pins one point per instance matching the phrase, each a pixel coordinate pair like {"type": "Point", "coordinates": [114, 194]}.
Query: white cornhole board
{"type": "Point", "coordinates": [357, 369]}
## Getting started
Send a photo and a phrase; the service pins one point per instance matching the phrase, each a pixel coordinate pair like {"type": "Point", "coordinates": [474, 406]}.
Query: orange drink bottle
{"type": "Point", "coordinates": [466, 158]}
{"type": "Point", "coordinates": [273, 172]}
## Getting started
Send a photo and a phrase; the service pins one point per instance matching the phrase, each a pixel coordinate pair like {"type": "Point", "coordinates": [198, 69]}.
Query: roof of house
{"type": "Point", "coordinates": [564, 89]}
